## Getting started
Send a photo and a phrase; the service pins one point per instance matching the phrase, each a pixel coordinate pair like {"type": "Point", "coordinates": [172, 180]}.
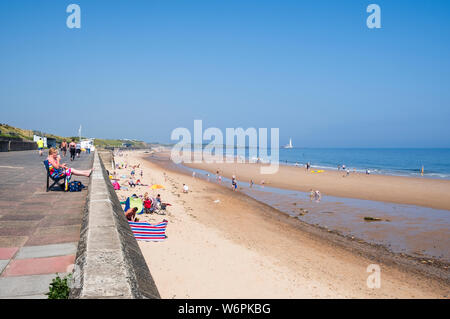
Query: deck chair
{"type": "Point", "coordinates": [56, 181]}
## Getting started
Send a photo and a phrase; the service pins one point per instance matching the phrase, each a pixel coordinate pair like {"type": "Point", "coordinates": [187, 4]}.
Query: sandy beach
{"type": "Point", "coordinates": [224, 244]}
{"type": "Point", "coordinates": [426, 192]}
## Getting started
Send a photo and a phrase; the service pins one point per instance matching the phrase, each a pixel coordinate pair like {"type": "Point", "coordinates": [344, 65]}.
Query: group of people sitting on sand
{"type": "Point", "coordinates": [150, 206]}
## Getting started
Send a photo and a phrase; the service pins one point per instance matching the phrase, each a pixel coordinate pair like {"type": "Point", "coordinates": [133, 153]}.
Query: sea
{"type": "Point", "coordinates": [386, 161]}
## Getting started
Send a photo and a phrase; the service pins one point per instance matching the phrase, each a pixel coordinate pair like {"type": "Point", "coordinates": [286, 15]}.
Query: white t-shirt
{"type": "Point", "coordinates": [185, 188]}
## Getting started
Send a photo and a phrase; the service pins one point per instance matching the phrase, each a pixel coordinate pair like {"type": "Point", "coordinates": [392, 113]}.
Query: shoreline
{"type": "Point", "coordinates": [368, 249]}
{"type": "Point", "coordinates": [257, 241]}
{"type": "Point", "coordinates": [425, 192]}
{"type": "Point", "coordinates": [307, 240]}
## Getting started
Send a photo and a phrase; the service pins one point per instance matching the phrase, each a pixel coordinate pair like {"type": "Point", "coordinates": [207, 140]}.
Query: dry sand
{"type": "Point", "coordinates": [241, 248]}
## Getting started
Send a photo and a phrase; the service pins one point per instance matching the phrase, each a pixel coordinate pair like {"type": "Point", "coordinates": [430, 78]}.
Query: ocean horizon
{"type": "Point", "coordinates": [385, 161]}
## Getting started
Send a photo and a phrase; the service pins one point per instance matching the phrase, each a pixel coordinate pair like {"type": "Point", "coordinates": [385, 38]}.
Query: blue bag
{"type": "Point", "coordinates": [76, 186]}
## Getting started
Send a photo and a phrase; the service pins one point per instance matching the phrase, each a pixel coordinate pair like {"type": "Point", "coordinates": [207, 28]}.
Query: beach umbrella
{"type": "Point", "coordinates": [156, 186]}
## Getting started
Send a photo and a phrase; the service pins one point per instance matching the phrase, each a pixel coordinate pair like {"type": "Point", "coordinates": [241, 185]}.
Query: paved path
{"type": "Point", "coordinates": [39, 231]}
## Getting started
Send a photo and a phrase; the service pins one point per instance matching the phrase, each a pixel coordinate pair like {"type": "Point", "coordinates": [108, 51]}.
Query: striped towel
{"type": "Point", "coordinates": [148, 232]}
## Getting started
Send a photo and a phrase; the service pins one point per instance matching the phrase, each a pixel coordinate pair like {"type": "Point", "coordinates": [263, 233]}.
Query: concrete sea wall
{"type": "Point", "coordinates": [7, 145]}
{"type": "Point", "coordinates": [109, 262]}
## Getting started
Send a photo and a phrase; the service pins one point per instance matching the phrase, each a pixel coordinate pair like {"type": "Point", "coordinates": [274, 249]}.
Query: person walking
{"type": "Point", "coordinates": [78, 149]}
{"type": "Point", "coordinates": [40, 144]}
{"type": "Point", "coordinates": [64, 148]}
{"type": "Point", "coordinates": [72, 149]}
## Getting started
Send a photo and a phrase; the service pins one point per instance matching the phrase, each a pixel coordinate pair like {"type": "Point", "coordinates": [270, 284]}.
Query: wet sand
{"type": "Point", "coordinates": [425, 192]}
{"type": "Point", "coordinates": [241, 248]}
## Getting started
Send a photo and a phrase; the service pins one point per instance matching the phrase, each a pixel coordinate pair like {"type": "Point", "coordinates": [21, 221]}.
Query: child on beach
{"type": "Point", "coordinates": [185, 188]}
{"type": "Point", "coordinates": [233, 183]}
{"type": "Point", "coordinates": [147, 204]}
{"type": "Point", "coordinates": [130, 214]}
{"type": "Point", "coordinates": [317, 196]}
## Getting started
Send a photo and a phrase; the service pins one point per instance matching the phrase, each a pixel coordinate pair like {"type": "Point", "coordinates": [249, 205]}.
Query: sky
{"type": "Point", "coordinates": [313, 69]}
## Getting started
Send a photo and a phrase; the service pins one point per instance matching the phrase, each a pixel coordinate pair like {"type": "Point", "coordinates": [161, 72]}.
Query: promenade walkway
{"type": "Point", "coordinates": [39, 231]}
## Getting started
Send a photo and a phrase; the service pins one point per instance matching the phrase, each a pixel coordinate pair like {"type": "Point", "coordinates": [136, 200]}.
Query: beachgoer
{"type": "Point", "coordinates": [131, 182]}
{"type": "Point", "coordinates": [193, 174]}
{"type": "Point", "coordinates": [57, 169]}
{"type": "Point", "coordinates": [131, 214]}
{"type": "Point", "coordinates": [72, 149]}
{"type": "Point", "coordinates": [185, 188]}
{"type": "Point", "coordinates": [78, 149]}
{"type": "Point", "coordinates": [251, 183]}
{"type": "Point", "coordinates": [148, 203]}
{"type": "Point", "coordinates": [40, 144]}
{"type": "Point", "coordinates": [64, 147]}
{"type": "Point", "coordinates": [317, 195]}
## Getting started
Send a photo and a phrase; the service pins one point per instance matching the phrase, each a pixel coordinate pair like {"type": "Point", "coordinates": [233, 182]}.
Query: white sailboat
{"type": "Point", "coordinates": [290, 144]}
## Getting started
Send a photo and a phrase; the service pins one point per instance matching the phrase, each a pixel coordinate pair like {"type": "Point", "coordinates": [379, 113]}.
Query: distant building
{"type": "Point", "coordinates": [88, 144]}
{"type": "Point", "coordinates": [48, 141]}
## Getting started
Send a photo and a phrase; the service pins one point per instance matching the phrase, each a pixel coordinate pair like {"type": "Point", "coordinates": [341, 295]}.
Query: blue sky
{"type": "Point", "coordinates": [139, 69]}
